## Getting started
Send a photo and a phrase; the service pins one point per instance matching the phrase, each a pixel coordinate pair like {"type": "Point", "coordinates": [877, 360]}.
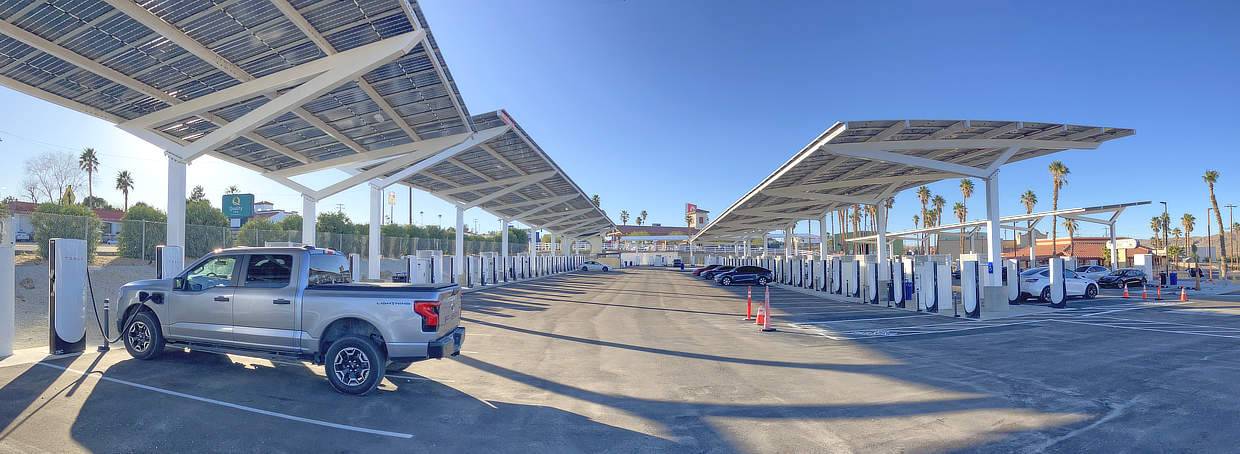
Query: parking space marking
{"type": "Point", "coordinates": [865, 319]}
{"type": "Point", "coordinates": [232, 405]}
{"type": "Point", "coordinates": [1142, 328]}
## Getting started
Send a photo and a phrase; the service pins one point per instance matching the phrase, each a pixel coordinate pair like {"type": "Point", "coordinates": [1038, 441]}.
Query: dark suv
{"type": "Point", "coordinates": [745, 275]}
{"type": "Point", "coordinates": [1123, 277]}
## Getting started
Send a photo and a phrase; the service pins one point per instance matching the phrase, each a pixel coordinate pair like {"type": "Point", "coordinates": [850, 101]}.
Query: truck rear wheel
{"type": "Point", "coordinates": [354, 365]}
{"type": "Point", "coordinates": [143, 339]}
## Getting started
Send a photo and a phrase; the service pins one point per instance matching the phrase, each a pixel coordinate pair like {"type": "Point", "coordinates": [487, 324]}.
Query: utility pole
{"type": "Point", "coordinates": [1166, 244]}
{"type": "Point", "coordinates": [1231, 222]}
{"type": "Point", "coordinates": [1209, 258]}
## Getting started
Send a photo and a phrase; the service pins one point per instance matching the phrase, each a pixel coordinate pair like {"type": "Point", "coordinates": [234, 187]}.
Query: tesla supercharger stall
{"type": "Point", "coordinates": [896, 277]}
{"type": "Point", "coordinates": [66, 311]}
{"type": "Point", "coordinates": [836, 283]}
{"type": "Point", "coordinates": [418, 269]}
{"type": "Point", "coordinates": [934, 288]}
{"type": "Point", "coordinates": [796, 271]}
{"type": "Point", "coordinates": [169, 261]}
{"type": "Point", "coordinates": [489, 276]}
{"type": "Point", "coordinates": [970, 286]}
{"type": "Point", "coordinates": [355, 267]}
{"type": "Point", "coordinates": [1059, 295]}
{"type": "Point", "coordinates": [870, 279]}
{"type": "Point", "coordinates": [820, 274]}
{"type": "Point", "coordinates": [852, 278]}
{"type": "Point", "coordinates": [449, 267]}
{"type": "Point", "coordinates": [436, 264]}
{"type": "Point", "coordinates": [908, 266]}
{"type": "Point", "coordinates": [1011, 271]}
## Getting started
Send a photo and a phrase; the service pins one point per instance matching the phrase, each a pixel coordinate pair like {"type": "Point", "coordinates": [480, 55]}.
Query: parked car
{"type": "Point", "coordinates": [1037, 282]}
{"type": "Point", "coordinates": [678, 263]}
{"type": "Point", "coordinates": [745, 275]}
{"type": "Point", "coordinates": [1094, 272]}
{"type": "Point", "coordinates": [710, 274]}
{"type": "Point", "coordinates": [292, 303]}
{"type": "Point", "coordinates": [591, 265]}
{"type": "Point", "coordinates": [1123, 277]}
{"type": "Point", "coordinates": [24, 237]}
{"type": "Point", "coordinates": [699, 271]}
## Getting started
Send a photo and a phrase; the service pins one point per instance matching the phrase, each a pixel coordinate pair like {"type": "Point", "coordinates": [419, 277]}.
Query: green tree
{"type": "Point", "coordinates": [232, 189]}
{"type": "Point", "coordinates": [97, 202]}
{"type": "Point", "coordinates": [292, 222]}
{"type": "Point", "coordinates": [1030, 200]}
{"type": "Point", "coordinates": [1071, 226]}
{"type": "Point", "coordinates": [206, 228]}
{"type": "Point", "coordinates": [1189, 222]}
{"type": "Point", "coordinates": [923, 196]}
{"type": "Point", "coordinates": [1156, 229]}
{"type": "Point", "coordinates": [1059, 178]}
{"type": "Point", "coordinates": [142, 227]}
{"type": "Point", "coordinates": [257, 232]}
{"type": "Point", "coordinates": [335, 223]}
{"type": "Point", "coordinates": [596, 201]}
{"type": "Point", "coordinates": [624, 217]}
{"type": "Point", "coordinates": [124, 183]}
{"type": "Point", "coordinates": [198, 193]}
{"type": "Point", "coordinates": [53, 220]}
{"type": "Point", "coordinates": [89, 163]}
{"type": "Point", "coordinates": [962, 214]}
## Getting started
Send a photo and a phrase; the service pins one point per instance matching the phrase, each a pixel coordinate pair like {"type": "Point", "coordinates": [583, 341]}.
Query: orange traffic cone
{"type": "Point", "coordinates": [1158, 293]}
{"type": "Point", "coordinates": [766, 310]}
{"type": "Point", "coordinates": [761, 316]}
{"type": "Point", "coordinates": [1125, 292]}
{"type": "Point", "coordinates": [1183, 295]}
{"type": "Point", "coordinates": [748, 303]}
{"type": "Point", "coordinates": [1144, 294]}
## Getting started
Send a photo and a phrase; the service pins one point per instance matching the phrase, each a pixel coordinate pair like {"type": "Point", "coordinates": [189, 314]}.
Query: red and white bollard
{"type": "Point", "coordinates": [766, 312]}
{"type": "Point", "coordinates": [748, 302]}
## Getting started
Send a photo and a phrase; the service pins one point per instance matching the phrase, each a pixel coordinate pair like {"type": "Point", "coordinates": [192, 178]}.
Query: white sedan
{"type": "Point", "coordinates": [591, 265]}
{"type": "Point", "coordinates": [1037, 282]}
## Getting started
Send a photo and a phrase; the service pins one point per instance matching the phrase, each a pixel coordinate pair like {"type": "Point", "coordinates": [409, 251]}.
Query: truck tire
{"type": "Point", "coordinates": [143, 338]}
{"type": "Point", "coordinates": [398, 366]}
{"type": "Point", "coordinates": [353, 365]}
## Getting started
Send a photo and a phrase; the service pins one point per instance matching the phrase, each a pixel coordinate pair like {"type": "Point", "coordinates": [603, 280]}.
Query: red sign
{"type": "Point", "coordinates": [689, 208]}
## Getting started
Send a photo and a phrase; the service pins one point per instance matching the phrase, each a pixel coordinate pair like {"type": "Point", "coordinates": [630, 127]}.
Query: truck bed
{"type": "Point", "coordinates": [395, 287]}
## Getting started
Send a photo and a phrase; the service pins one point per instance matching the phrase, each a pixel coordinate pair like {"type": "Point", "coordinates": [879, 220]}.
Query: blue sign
{"type": "Point", "coordinates": [990, 267]}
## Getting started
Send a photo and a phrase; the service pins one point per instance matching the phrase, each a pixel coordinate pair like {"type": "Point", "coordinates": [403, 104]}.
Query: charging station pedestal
{"type": "Point", "coordinates": [355, 267]}
{"type": "Point", "coordinates": [8, 290]}
{"type": "Point", "coordinates": [435, 263]}
{"type": "Point", "coordinates": [970, 286]}
{"type": "Point", "coordinates": [897, 283]}
{"type": "Point", "coordinates": [66, 310]}
{"type": "Point", "coordinates": [169, 261]}
{"type": "Point", "coordinates": [1059, 296]}
{"type": "Point", "coordinates": [1011, 270]}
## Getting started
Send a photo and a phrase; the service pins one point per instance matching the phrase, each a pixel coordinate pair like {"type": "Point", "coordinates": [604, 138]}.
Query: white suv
{"type": "Point", "coordinates": [591, 265]}
{"type": "Point", "coordinates": [1037, 282]}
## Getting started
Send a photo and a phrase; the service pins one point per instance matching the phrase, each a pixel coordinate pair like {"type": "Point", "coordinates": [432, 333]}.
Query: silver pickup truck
{"type": "Point", "coordinates": [295, 303]}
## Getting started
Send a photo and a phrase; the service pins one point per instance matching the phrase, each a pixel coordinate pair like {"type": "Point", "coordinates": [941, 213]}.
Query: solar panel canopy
{"type": "Point", "coordinates": [125, 62]}
{"type": "Point", "coordinates": [867, 162]}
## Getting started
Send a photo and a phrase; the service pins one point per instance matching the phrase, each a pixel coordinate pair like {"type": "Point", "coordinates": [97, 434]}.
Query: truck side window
{"type": "Point", "coordinates": [269, 270]}
{"type": "Point", "coordinates": [216, 272]}
{"type": "Point", "coordinates": [326, 269]}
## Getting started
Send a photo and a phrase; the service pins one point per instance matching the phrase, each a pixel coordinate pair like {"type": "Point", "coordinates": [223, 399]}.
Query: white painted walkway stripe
{"type": "Point", "coordinates": [234, 406]}
{"type": "Point", "coordinates": [827, 322]}
{"type": "Point", "coordinates": [1145, 329]}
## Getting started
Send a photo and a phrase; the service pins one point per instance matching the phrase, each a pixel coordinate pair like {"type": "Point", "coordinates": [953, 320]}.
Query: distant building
{"type": "Point", "coordinates": [267, 210]}
{"type": "Point", "coordinates": [23, 223]}
{"type": "Point", "coordinates": [697, 217]}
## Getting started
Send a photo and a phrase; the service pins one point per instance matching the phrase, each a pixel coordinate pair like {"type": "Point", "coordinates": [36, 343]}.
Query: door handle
{"type": "Point", "coordinates": [281, 301]}
{"type": "Point", "coordinates": [222, 299]}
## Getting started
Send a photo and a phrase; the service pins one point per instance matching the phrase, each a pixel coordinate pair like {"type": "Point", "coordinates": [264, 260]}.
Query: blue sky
{"type": "Point", "coordinates": [652, 104]}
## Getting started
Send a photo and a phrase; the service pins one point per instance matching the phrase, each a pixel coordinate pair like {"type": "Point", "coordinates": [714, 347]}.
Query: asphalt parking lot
{"type": "Point", "coordinates": [654, 360]}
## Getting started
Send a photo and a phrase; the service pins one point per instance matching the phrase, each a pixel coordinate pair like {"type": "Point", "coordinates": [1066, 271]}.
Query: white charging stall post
{"type": "Point", "coordinates": [66, 305]}
{"type": "Point", "coordinates": [8, 290]}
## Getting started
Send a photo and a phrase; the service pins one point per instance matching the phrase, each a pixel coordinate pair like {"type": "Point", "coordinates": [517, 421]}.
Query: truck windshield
{"type": "Point", "coordinates": [329, 269]}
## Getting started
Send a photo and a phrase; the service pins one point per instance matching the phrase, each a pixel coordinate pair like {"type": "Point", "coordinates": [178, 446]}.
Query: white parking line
{"type": "Point", "coordinates": [865, 320]}
{"type": "Point", "coordinates": [232, 405]}
{"type": "Point", "coordinates": [1145, 329]}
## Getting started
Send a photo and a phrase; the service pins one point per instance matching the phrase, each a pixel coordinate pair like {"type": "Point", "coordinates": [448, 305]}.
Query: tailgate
{"type": "Point", "coordinates": [449, 310]}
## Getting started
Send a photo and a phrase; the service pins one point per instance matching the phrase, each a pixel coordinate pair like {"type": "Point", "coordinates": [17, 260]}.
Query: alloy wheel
{"type": "Point", "coordinates": [352, 366]}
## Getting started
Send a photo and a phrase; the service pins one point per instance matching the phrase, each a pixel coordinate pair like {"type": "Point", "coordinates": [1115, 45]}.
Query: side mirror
{"type": "Point", "coordinates": [178, 283]}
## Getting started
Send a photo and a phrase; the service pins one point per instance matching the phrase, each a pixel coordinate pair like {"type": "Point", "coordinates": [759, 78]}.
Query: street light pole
{"type": "Point", "coordinates": [1231, 222]}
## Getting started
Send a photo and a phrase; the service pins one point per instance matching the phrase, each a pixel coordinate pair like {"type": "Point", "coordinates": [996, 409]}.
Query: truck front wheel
{"type": "Point", "coordinates": [143, 339]}
{"type": "Point", "coordinates": [354, 365]}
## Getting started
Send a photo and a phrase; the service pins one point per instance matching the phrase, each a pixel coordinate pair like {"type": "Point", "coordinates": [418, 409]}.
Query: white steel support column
{"type": "Point", "coordinates": [458, 263]}
{"type": "Point", "coordinates": [8, 285]}
{"type": "Point", "coordinates": [503, 239]}
{"type": "Point", "coordinates": [1114, 248]}
{"type": "Point", "coordinates": [880, 250]}
{"type": "Point", "coordinates": [376, 219]}
{"type": "Point", "coordinates": [308, 220]}
{"type": "Point", "coordinates": [822, 236]}
{"type": "Point", "coordinates": [765, 237]}
{"type": "Point", "coordinates": [788, 242]}
{"type": "Point", "coordinates": [176, 202]}
{"type": "Point", "coordinates": [994, 243]}
{"type": "Point", "coordinates": [533, 242]}
{"type": "Point", "coordinates": [551, 242]}
{"type": "Point", "coordinates": [691, 262]}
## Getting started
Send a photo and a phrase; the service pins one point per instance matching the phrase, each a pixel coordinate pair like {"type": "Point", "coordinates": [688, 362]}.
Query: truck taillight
{"type": "Point", "coordinates": [429, 310]}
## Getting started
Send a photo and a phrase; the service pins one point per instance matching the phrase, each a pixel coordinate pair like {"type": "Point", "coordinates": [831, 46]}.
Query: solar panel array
{"type": "Point", "coordinates": [812, 165]}
{"type": "Point", "coordinates": [241, 40]}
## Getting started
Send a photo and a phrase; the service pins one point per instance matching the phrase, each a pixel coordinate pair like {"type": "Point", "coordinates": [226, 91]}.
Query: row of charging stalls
{"type": "Point", "coordinates": [489, 268]}
{"type": "Point", "coordinates": [922, 283]}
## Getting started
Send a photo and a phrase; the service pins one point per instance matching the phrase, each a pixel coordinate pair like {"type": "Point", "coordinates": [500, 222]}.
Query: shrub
{"type": "Point", "coordinates": [142, 228]}
{"type": "Point", "coordinates": [206, 228]}
{"type": "Point", "coordinates": [257, 232]}
{"type": "Point", "coordinates": [52, 220]}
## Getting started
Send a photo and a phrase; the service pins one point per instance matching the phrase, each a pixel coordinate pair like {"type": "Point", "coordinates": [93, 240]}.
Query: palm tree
{"type": "Point", "coordinates": [1176, 233]}
{"type": "Point", "coordinates": [1059, 177]}
{"type": "Point", "coordinates": [1156, 228]}
{"type": "Point", "coordinates": [596, 200]}
{"type": "Point", "coordinates": [124, 183]}
{"type": "Point", "coordinates": [624, 217]}
{"type": "Point", "coordinates": [1211, 177]}
{"type": "Point", "coordinates": [232, 189]}
{"type": "Point", "coordinates": [923, 195]}
{"type": "Point", "coordinates": [1189, 222]}
{"type": "Point", "coordinates": [641, 217]}
{"type": "Point", "coordinates": [855, 217]}
{"type": "Point", "coordinates": [962, 214]}
{"type": "Point", "coordinates": [939, 202]}
{"type": "Point", "coordinates": [1030, 200]}
{"type": "Point", "coordinates": [1071, 225]}
{"type": "Point", "coordinates": [89, 163]}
